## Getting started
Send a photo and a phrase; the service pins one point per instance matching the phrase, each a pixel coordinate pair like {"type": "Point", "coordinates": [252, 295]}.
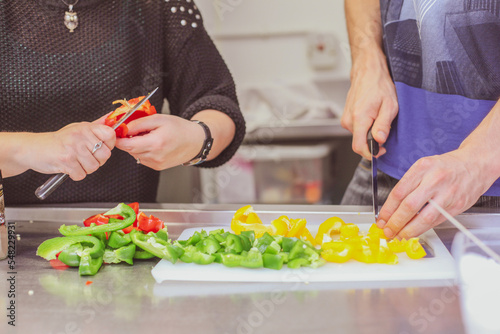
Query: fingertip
{"type": "Point", "coordinates": [381, 136]}
{"type": "Point", "coordinates": [388, 233]}
{"type": "Point", "coordinates": [381, 223]}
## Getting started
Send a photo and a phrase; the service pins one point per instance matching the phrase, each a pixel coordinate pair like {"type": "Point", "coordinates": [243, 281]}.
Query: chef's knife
{"type": "Point", "coordinates": [374, 148]}
{"type": "Point", "coordinates": [55, 181]}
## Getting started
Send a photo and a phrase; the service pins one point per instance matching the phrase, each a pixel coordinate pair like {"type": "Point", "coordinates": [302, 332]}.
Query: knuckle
{"type": "Point", "coordinates": [427, 219]}
{"type": "Point", "coordinates": [410, 205]}
{"type": "Point", "coordinates": [460, 203]}
{"type": "Point", "coordinates": [398, 193]}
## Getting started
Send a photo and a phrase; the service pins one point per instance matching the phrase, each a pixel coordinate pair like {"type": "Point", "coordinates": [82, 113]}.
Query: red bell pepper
{"type": "Point", "coordinates": [145, 110]}
{"type": "Point", "coordinates": [149, 224]}
{"type": "Point", "coordinates": [142, 221]}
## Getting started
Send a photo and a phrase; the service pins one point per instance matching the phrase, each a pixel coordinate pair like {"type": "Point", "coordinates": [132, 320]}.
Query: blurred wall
{"type": "Point", "coordinates": [278, 42]}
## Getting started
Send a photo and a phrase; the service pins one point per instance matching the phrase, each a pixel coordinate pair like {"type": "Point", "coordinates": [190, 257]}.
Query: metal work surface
{"type": "Point", "coordinates": [126, 299]}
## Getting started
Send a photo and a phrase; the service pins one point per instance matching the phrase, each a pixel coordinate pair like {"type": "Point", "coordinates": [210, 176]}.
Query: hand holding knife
{"type": "Point", "coordinates": [55, 181]}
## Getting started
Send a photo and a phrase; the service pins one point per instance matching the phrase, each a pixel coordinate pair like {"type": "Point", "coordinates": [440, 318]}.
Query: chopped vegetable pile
{"type": "Point", "coordinates": [124, 233]}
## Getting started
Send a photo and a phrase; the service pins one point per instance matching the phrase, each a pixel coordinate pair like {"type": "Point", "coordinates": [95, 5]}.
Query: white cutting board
{"type": "Point", "coordinates": [440, 267]}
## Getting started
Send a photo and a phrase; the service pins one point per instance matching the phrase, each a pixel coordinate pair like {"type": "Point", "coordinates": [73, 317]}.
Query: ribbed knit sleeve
{"type": "Point", "coordinates": [197, 77]}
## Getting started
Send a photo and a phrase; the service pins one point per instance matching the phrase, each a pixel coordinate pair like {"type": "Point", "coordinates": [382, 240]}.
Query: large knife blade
{"type": "Point", "coordinates": [55, 181]}
{"type": "Point", "coordinates": [374, 149]}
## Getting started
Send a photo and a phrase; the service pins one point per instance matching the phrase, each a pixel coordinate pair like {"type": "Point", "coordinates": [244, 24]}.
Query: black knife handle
{"type": "Point", "coordinates": [371, 140]}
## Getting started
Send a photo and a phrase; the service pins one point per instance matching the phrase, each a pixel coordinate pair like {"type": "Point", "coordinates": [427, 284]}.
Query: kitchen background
{"type": "Point", "coordinates": [290, 61]}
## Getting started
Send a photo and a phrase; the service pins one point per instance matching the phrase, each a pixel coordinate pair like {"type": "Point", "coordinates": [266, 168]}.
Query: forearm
{"type": "Point", "coordinates": [12, 150]}
{"type": "Point", "coordinates": [481, 147]}
{"type": "Point", "coordinates": [364, 26]}
{"type": "Point", "coordinates": [221, 127]}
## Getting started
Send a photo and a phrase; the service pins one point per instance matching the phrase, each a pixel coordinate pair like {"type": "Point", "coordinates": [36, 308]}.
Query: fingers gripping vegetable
{"type": "Point", "coordinates": [145, 110]}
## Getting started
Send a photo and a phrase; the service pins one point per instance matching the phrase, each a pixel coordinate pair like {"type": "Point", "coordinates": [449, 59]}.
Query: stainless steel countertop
{"type": "Point", "coordinates": [126, 299]}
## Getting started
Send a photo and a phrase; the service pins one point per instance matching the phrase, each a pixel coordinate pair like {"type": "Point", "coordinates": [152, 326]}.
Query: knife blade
{"type": "Point", "coordinates": [374, 149]}
{"type": "Point", "coordinates": [55, 181]}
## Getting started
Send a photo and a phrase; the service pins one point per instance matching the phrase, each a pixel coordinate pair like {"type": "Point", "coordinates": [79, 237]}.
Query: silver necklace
{"type": "Point", "coordinates": [70, 17]}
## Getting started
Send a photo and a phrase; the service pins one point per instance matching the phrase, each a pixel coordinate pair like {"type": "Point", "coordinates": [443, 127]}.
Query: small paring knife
{"type": "Point", "coordinates": [55, 181]}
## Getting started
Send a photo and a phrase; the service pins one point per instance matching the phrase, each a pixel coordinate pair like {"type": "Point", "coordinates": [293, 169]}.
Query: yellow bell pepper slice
{"type": "Point", "coordinates": [243, 212]}
{"type": "Point", "coordinates": [349, 230]}
{"type": "Point", "coordinates": [306, 234]}
{"type": "Point", "coordinates": [338, 252]}
{"type": "Point", "coordinates": [385, 255]}
{"type": "Point", "coordinates": [396, 245]}
{"type": "Point", "coordinates": [414, 249]}
{"type": "Point", "coordinates": [376, 231]}
{"type": "Point", "coordinates": [329, 227]}
{"type": "Point", "coordinates": [253, 218]}
{"type": "Point", "coordinates": [296, 228]}
{"type": "Point", "coordinates": [280, 226]}
{"type": "Point", "coordinates": [365, 254]}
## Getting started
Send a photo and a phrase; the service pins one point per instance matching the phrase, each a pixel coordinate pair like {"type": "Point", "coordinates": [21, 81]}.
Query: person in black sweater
{"type": "Point", "coordinates": [62, 65]}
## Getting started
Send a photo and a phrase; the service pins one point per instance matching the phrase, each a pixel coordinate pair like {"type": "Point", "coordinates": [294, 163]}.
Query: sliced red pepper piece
{"type": "Point", "coordinates": [149, 224]}
{"type": "Point", "coordinates": [145, 110]}
{"type": "Point", "coordinates": [98, 219]}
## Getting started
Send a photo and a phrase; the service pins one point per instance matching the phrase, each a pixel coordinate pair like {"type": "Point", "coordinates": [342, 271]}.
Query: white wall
{"type": "Point", "coordinates": [266, 41]}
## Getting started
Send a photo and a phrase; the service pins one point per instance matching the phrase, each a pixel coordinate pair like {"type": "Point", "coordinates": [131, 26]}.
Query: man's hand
{"type": "Point", "coordinates": [372, 97]}
{"type": "Point", "coordinates": [371, 100]}
{"type": "Point", "coordinates": [451, 179]}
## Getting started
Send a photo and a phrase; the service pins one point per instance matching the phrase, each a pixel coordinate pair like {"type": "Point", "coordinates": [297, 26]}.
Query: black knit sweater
{"type": "Point", "coordinates": [51, 77]}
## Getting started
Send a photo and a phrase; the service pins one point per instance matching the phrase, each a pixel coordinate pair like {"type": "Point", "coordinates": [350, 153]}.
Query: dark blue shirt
{"type": "Point", "coordinates": [444, 56]}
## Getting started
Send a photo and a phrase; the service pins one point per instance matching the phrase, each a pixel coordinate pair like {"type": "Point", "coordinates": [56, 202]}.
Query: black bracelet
{"type": "Point", "coordinates": [205, 150]}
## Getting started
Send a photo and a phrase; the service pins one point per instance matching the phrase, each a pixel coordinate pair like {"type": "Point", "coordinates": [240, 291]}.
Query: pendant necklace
{"type": "Point", "coordinates": [70, 17]}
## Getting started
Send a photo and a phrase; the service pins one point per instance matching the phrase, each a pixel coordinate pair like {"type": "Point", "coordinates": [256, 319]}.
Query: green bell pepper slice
{"type": "Point", "coordinates": [263, 242]}
{"type": "Point", "coordinates": [233, 244]}
{"type": "Point", "coordinates": [155, 245]}
{"type": "Point", "coordinates": [287, 243]}
{"type": "Point", "coordinates": [230, 260]}
{"type": "Point", "coordinates": [71, 255]}
{"type": "Point", "coordinates": [218, 231]}
{"type": "Point", "coordinates": [196, 237]}
{"type": "Point", "coordinates": [193, 255]}
{"type": "Point", "coordinates": [273, 248]}
{"type": "Point", "coordinates": [208, 245]}
{"type": "Point", "coordinates": [89, 266]}
{"type": "Point", "coordinates": [304, 250]}
{"type": "Point", "coordinates": [298, 262]}
{"type": "Point", "coordinates": [141, 254]}
{"type": "Point", "coordinates": [118, 239]}
{"type": "Point", "coordinates": [122, 254]}
{"type": "Point", "coordinates": [245, 242]}
{"type": "Point", "coordinates": [272, 261]}
{"type": "Point", "coordinates": [249, 234]}
{"type": "Point", "coordinates": [162, 234]}
{"type": "Point", "coordinates": [121, 209]}
{"type": "Point", "coordinates": [51, 247]}
{"type": "Point", "coordinates": [252, 259]}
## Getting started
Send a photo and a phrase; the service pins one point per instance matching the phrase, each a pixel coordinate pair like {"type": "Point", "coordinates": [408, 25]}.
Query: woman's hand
{"type": "Point", "coordinates": [68, 150]}
{"type": "Point", "coordinates": [371, 100]}
{"type": "Point", "coordinates": [164, 141]}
